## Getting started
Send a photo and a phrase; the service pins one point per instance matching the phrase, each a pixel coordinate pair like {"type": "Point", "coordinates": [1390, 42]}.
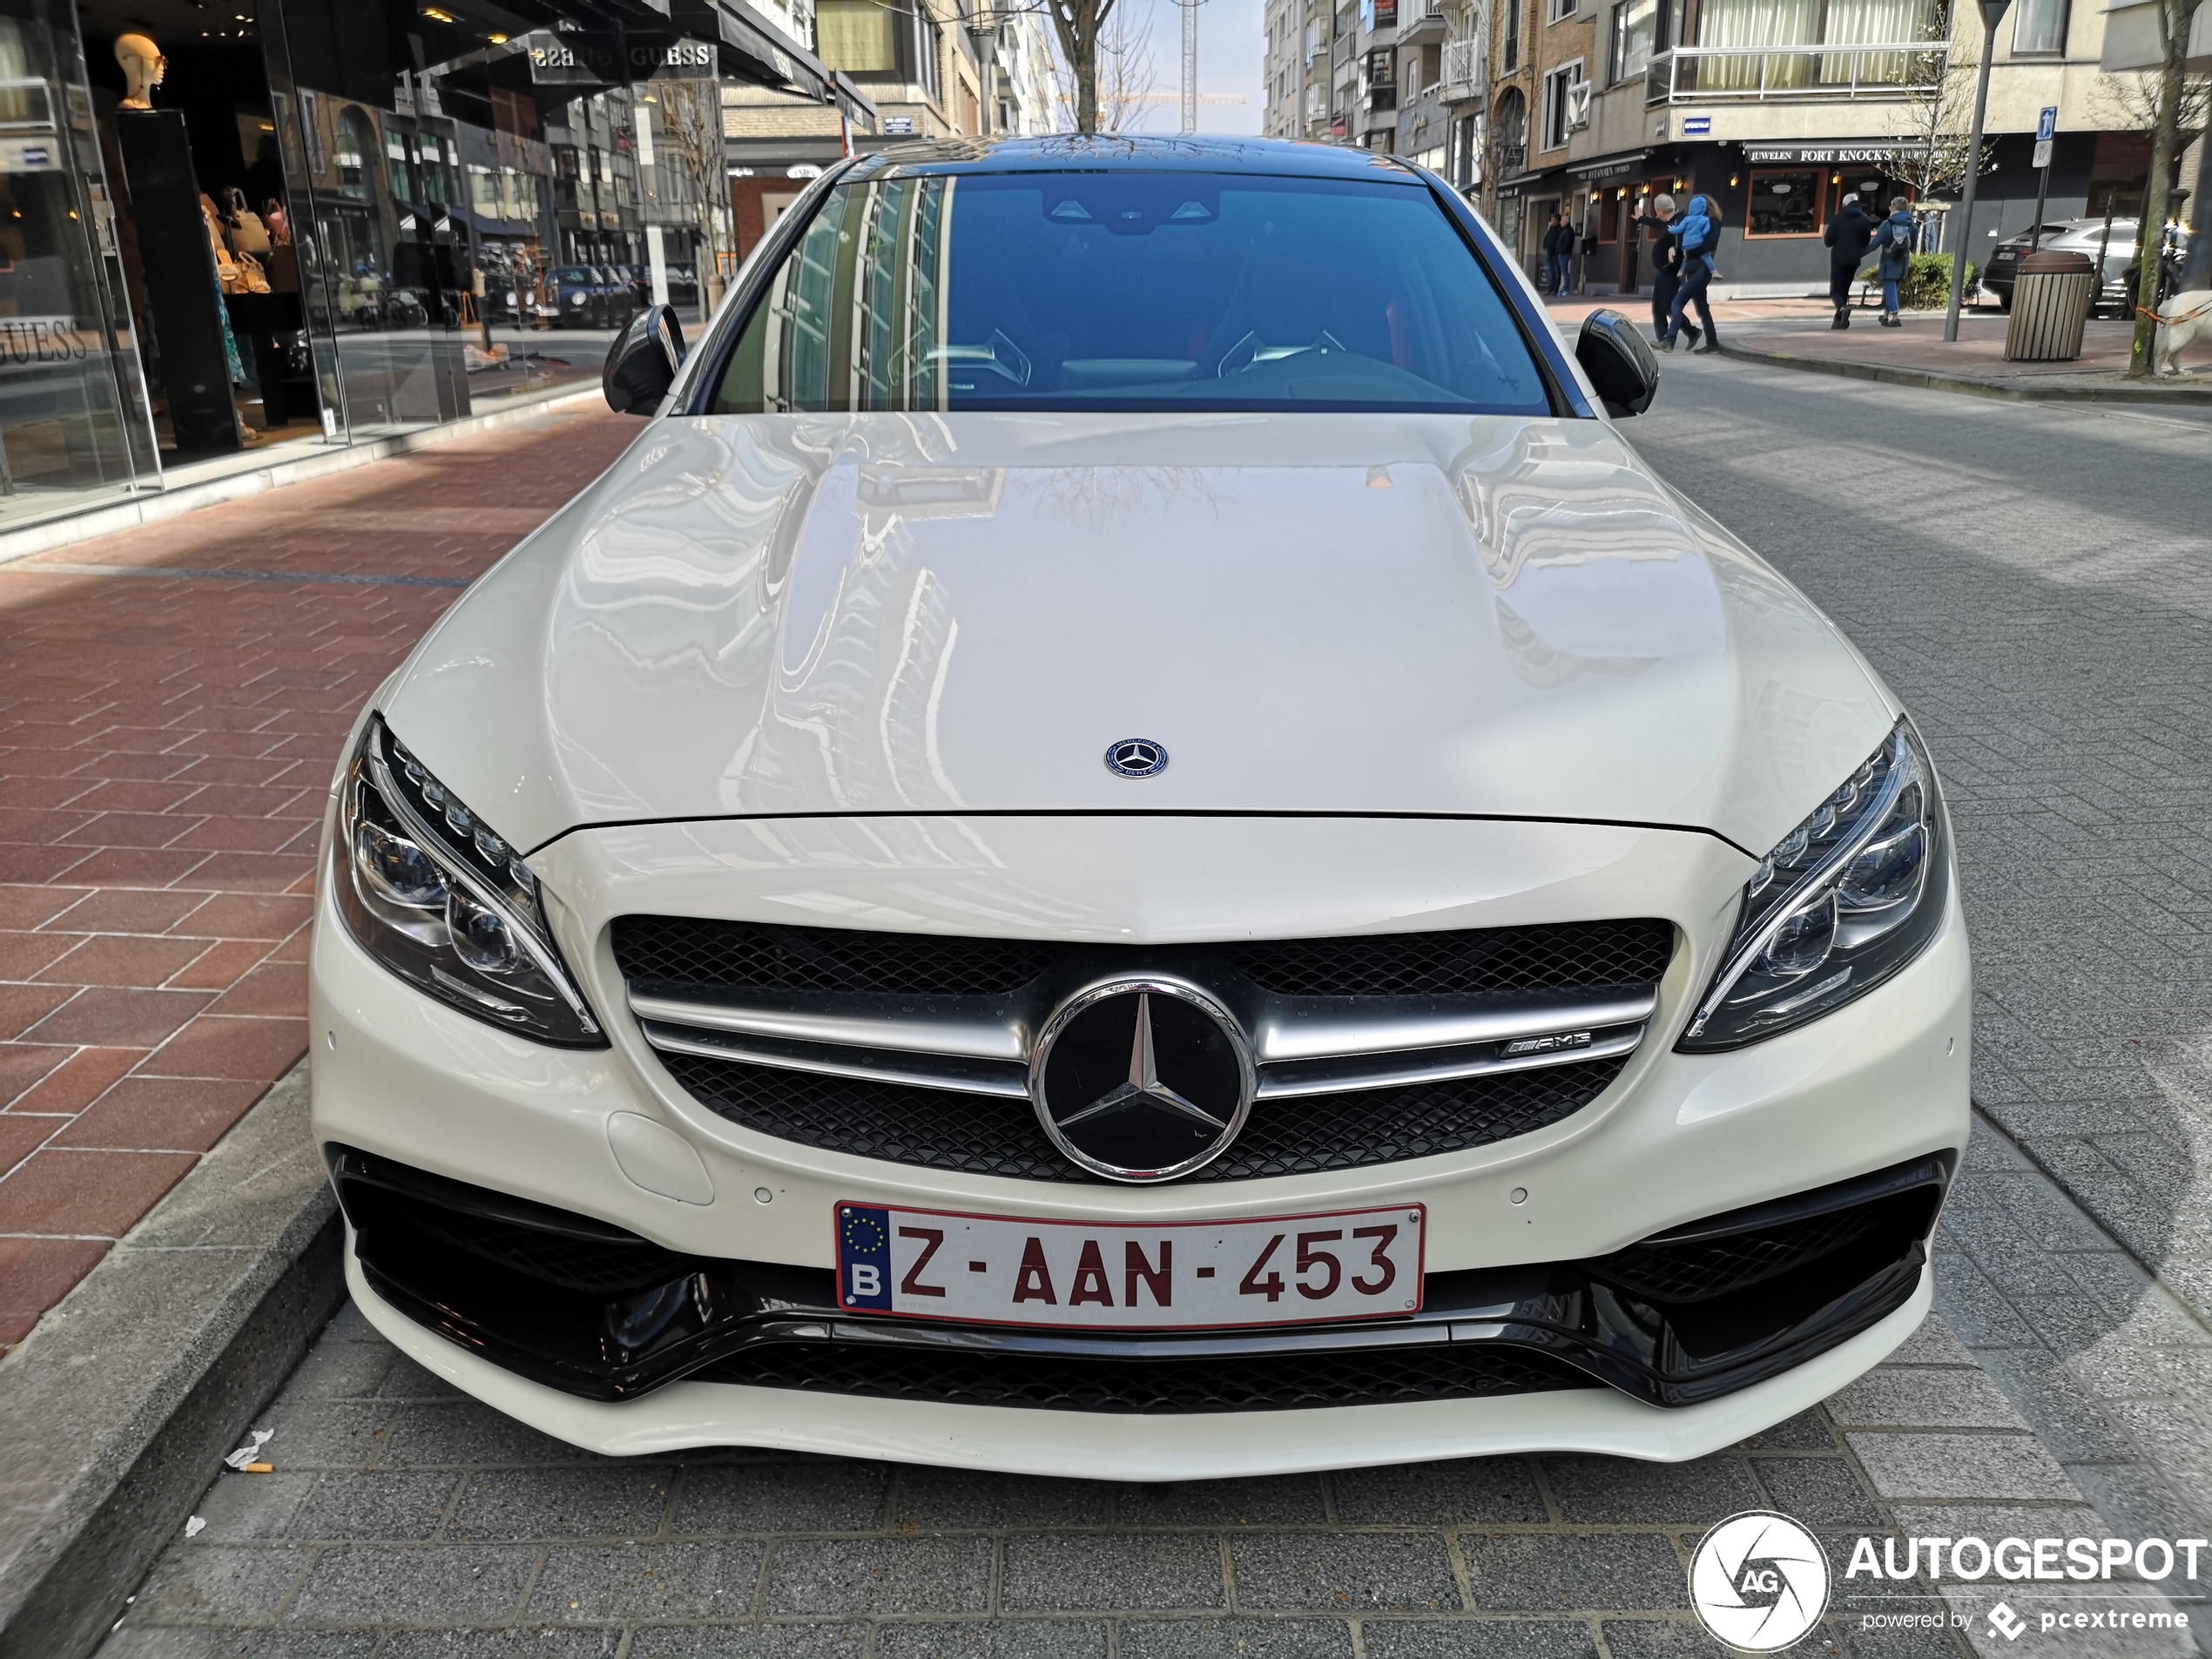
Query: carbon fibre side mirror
{"type": "Point", "coordinates": [1619, 361]}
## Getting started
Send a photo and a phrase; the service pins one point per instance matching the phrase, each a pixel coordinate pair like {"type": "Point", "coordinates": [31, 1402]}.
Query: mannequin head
{"type": "Point", "coordinates": [143, 64]}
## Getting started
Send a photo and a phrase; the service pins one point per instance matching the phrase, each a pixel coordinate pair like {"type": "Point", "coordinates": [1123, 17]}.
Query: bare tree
{"type": "Point", "coordinates": [689, 131]}
{"type": "Point", "coordinates": [1939, 98]}
{"type": "Point", "coordinates": [1124, 71]}
{"type": "Point", "coordinates": [2170, 86]}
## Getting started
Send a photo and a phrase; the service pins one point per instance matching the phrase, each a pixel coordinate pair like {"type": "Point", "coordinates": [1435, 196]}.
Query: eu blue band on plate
{"type": "Point", "coordinates": [864, 1256]}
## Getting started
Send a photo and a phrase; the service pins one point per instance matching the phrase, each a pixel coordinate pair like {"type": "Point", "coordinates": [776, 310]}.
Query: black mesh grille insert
{"type": "Point", "coordinates": [1271, 1382]}
{"type": "Point", "coordinates": [986, 1135]}
{"type": "Point", "coordinates": [745, 956]}
{"type": "Point", "coordinates": [598, 1266]}
{"type": "Point", "coordinates": [1573, 956]}
{"type": "Point", "coordinates": [1709, 1267]}
{"type": "Point", "coordinates": [688, 954]}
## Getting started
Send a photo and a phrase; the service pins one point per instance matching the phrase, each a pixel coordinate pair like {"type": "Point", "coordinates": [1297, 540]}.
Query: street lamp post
{"type": "Point", "coordinates": [1992, 13]}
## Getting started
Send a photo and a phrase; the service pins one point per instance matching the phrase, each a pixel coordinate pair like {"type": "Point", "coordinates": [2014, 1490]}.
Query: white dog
{"type": "Point", "coordinates": [2187, 318]}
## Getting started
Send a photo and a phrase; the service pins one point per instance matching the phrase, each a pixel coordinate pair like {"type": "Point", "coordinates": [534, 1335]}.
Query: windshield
{"type": "Point", "coordinates": [572, 273]}
{"type": "Point", "coordinates": [1119, 290]}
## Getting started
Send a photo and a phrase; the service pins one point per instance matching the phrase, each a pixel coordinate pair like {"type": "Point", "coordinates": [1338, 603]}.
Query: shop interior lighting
{"type": "Point", "coordinates": [436, 15]}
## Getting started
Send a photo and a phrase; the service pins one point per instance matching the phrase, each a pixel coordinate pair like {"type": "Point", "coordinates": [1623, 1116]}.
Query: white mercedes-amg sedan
{"type": "Point", "coordinates": [1131, 841]}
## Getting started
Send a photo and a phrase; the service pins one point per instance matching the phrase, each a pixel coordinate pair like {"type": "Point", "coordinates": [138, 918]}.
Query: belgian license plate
{"type": "Point", "coordinates": [995, 1270]}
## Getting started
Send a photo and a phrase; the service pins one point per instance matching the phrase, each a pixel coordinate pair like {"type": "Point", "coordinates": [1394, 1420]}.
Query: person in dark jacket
{"type": "Point", "coordinates": [1697, 239]}
{"type": "Point", "coordinates": [1894, 241]}
{"type": "Point", "coordinates": [1559, 246]}
{"type": "Point", "coordinates": [1847, 235]}
{"type": "Point", "coordinates": [1666, 260]}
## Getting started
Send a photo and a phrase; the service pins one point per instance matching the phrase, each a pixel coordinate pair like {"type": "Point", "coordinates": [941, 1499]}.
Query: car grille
{"type": "Point", "coordinates": [600, 1266]}
{"type": "Point", "coordinates": [1269, 1382]}
{"type": "Point", "coordinates": [914, 1049]}
{"type": "Point", "coordinates": [679, 952]}
{"type": "Point", "coordinates": [990, 1134]}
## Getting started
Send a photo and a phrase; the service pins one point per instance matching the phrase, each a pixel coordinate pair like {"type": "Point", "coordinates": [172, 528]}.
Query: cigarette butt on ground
{"type": "Point", "coordinates": [261, 1468]}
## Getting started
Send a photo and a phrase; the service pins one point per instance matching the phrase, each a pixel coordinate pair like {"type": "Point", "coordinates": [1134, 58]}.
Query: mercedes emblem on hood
{"type": "Point", "coordinates": [1136, 758]}
{"type": "Point", "coordinates": [1142, 1079]}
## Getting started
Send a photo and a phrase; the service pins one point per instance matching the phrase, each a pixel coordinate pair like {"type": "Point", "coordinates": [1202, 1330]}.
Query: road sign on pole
{"type": "Point", "coordinates": [2047, 125]}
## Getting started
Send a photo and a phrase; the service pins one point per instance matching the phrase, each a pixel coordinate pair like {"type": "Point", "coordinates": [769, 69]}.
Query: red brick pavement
{"type": "Point", "coordinates": [166, 742]}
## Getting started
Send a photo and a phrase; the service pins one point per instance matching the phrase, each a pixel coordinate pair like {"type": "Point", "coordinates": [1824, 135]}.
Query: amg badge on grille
{"type": "Point", "coordinates": [1142, 1079]}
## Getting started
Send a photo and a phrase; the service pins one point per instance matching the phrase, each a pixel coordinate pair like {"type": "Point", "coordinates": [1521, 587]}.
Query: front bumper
{"type": "Point", "coordinates": [1878, 1085]}
{"type": "Point", "coordinates": [1080, 1446]}
{"type": "Point", "coordinates": [1698, 1313]}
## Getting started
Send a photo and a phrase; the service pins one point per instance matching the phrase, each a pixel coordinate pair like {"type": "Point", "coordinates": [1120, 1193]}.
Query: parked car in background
{"type": "Point", "coordinates": [684, 288]}
{"type": "Point", "coordinates": [2117, 294]}
{"type": "Point", "coordinates": [581, 296]}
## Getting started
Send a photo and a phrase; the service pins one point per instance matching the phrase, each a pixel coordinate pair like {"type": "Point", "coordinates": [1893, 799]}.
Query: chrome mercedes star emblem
{"type": "Point", "coordinates": [1142, 1079]}
{"type": "Point", "coordinates": [1136, 758]}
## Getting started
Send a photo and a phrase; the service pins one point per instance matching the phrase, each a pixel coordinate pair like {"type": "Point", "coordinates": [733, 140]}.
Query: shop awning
{"type": "Point", "coordinates": [1850, 153]}
{"type": "Point", "coordinates": [1622, 163]}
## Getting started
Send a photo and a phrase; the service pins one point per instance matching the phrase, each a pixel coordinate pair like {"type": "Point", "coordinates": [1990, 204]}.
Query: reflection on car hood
{"type": "Point", "coordinates": [1365, 614]}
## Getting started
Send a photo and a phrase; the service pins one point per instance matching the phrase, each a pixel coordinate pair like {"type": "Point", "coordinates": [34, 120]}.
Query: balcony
{"type": "Point", "coordinates": [1713, 74]}
{"type": "Point", "coordinates": [1460, 70]}
{"type": "Point", "coordinates": [1420, 21]}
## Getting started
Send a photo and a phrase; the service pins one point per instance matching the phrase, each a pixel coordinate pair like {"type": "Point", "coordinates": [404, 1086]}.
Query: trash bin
{"type": "Point", "coordinates": [2052, 294]}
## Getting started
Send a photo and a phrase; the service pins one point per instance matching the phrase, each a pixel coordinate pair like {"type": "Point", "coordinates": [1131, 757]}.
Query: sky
{"type": "Point", "coordinates": [1231, 47]}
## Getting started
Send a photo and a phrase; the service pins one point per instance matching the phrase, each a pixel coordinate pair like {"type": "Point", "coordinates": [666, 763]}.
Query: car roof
{"type": "Point", "coordinates": [1121, 152]}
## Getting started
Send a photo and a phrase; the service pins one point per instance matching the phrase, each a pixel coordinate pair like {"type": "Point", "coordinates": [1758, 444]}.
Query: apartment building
{"type": "Point", "coordinates": [933, 69]}
{"type": "Point", "coordinates": [1776, 109]}
{"type": "Point", "coordinates": [1298, 64]}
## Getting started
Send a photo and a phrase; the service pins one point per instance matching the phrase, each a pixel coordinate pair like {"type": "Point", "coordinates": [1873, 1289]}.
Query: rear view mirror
{"type": "Point", "coordinates": [643, 364]}
{"type": "Point", "coordinates": [1619, 362]}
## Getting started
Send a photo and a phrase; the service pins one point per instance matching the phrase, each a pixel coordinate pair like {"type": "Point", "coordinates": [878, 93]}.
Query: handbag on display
{"type": "Point", "coordinates": [252, 278]}
{"type": "Point", "coordinates": [250, 235]}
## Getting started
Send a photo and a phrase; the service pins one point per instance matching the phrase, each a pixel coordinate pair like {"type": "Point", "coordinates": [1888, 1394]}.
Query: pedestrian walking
{"type": "Point", "coordinates": [1697, 236]}
{"type": "Point", "coordinates": [1847, 235]}
{"type": "Point", "coordinates": [1559, 244]}
{"type": "Point", "coordinates": [1666, 260]}
{"type": "Point", "coordinates": [1894, 242]}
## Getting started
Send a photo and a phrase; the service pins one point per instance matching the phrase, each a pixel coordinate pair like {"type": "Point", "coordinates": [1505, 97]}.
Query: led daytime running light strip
{"type": "Point", "coordinates": [395, 799]}
{"type": "Point", "coordinates": [1824, 875]}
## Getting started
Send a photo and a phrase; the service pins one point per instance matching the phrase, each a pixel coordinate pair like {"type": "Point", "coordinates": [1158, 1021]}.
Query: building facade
{"type": "Point", "coordinates": [1776, 112]}
{"type": "Point", "coordinates": [317, 221]}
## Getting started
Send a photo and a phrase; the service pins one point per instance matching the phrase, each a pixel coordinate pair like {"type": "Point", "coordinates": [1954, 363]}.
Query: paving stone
{"type": "Point", "coordinates": [597, 1500]}
{"type": "Point", "coordinates": [1917, 1465]}
{"type": "Point", "coordinates": [1807, 1432]}
{"type": "Point", "coordinates": [1084, 1570]}
{"type": "Point", "coordinates": [1553, 1573]}
{"type": "Point", "coordinates": [750, 1641]}
{"type": "Point", "coordinates": [397, 1503]}
{"type": "Point", "coordinates": [880, 1576]}
{"type": "Point", "coordinates": [532, 1642]}
{"type": "Point", "coordinates": [1824, 1493]}
{"type": "Point", "coordinates": [1470, 1492]}
{"type": "Point", "coordinates": [597, 1584]}
{"type": "Point", "coordinates": [944, 1497]}
{"type": "Point", "coordinates": [1235, 1639]}
{"type": "Point", "coordinates": [1284, 1501]}
{"type": "Point", "coordinates": [467, 1433]}
{"type": "Point", "coordinates": [823, 1495]}
{"type": "Point", "coordinates": [1618, 1491]}
{"type": "Point", "coordinates": [1006, 1639]}
{"type": "Point", "coordinates": [241, 1508]}
{"type": "Point", "coordinates": [1354, 1574]}
{"type": "Point", "coordinates": [1936, 1397]}
{"type": "Point", "coordinates": [198, 1583]}
{"type": "Point", "coordinates": [384, 1584]}
{"type": "Point", "coordinates": [1493, 1638]}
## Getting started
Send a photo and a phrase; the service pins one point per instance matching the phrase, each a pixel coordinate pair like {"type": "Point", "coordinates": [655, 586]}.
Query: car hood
{"type": "Point", "coordinates": [1313, 614]}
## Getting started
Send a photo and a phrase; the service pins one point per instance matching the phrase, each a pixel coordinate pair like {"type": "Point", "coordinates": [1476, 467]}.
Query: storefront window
{"type": "Point", "coordinates": [1784, 203]}
{"type": "Point", "coordinates": [73, 413]}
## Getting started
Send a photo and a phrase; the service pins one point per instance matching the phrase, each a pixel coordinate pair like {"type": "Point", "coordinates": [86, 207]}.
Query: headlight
{"type": "Point", "coordinates": [1843, 901]}
{"type": "Point", "coordinates": [431, 892]}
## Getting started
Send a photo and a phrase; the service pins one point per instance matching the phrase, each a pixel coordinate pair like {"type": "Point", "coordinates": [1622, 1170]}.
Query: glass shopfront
{"type": "Point", "coordinates": [329, 219]}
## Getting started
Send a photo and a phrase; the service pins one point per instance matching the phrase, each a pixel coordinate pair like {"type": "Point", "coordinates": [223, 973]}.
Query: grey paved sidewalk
{"type": "Point", "coordinates": [404, 1516]}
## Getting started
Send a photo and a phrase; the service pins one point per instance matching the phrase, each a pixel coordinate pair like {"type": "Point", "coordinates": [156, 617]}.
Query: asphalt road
{"type": "Point", "coordinates": [2037, 584]}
